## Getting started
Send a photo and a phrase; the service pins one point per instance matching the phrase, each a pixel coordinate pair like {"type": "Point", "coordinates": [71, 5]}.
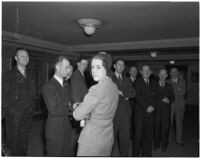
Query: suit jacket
{"type": "Point", "coordinates": [57, 101]}
{"type": "Point", "coordinates": [17, 93]}
{"type": "Point", "coordinates": [132, 100]}
{"type": "Point", "coordinates": [101, 101]}
{"type": "Point", "coordinates": [166, 91]}
{"type": "Point", "coordinates": [145, 96]}
{"type": "Point", "coordinates": [179, 92]}
{"type": "Point", "coordinates": [128, 91]}
{"type": "Point", "coordinates": [78, 86]}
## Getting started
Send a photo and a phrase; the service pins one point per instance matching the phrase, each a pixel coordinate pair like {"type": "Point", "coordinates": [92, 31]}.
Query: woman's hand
{"type": "Point", "coordinates": [75, 105]}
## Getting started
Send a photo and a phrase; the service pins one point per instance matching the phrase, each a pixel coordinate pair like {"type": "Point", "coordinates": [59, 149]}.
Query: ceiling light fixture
{"type": "Point", "coordinates": [153, 54]}
{"type": "Point", "coordinates": [89, 25]}
{"type": "Point", "coordinates": [171, 61]}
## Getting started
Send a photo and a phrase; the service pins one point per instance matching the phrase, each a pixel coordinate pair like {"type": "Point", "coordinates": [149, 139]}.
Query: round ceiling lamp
{"type": "Point", "coordinates": [153, 54]}
{"type": "Point", "coordinates": [171, 61]}
{"type": "Point", "coordinates": [89, 25]}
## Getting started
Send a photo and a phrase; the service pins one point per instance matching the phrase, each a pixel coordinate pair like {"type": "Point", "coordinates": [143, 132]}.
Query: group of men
{"type": "Point", "coordinates": [156, 104]}
{"type": "Point", "coordinates": [152, 105]}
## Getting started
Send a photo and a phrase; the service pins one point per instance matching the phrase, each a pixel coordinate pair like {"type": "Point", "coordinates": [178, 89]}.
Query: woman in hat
{"type": "Point", "coordinates": [98, 106]}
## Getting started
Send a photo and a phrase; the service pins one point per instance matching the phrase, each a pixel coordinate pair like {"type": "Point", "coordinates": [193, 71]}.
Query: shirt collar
{"type": "Point", "coordinates": [118, 75]}
{"type": "Point", "coordinates": [133, 78]}
{"type": "Point", "coordinates": [162, 83]}
{"type": "Point", "coordinates": [59, 79]}
{"type": "Point", "coordinates": [175, 80]}
{"type": "Point", "coordinates": [81, 72]}
{"type": "Point", "coordinates": [146, 80]}
{"type": "Point", "coordinates": [22, 71]}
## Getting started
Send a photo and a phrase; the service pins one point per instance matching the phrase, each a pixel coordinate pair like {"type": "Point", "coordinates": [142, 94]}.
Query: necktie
{"type": "Point", "coordinates": [120, 77]}
{"type": "Point", "coordinates": [174, 80]}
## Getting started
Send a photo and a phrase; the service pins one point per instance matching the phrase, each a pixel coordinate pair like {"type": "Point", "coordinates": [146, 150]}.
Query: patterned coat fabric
{"type": "Point", "coordinates": [58, 129]}
{"type": "Point", "coordinates": [17, 107]}
{"type": "Point", "coordinates": [100, 104]}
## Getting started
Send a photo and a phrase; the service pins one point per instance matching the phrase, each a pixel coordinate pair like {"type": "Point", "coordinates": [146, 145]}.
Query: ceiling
{"type": "Point", "coordinates": [126, 25]}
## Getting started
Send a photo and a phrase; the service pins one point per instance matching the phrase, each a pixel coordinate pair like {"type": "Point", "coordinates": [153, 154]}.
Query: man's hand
{"type": "Point", "coordinates": [166, 100]}
{"type": "Point", "coordinates": [150, 109]}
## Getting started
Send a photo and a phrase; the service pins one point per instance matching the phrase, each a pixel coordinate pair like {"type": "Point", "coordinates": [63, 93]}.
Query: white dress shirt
{"type": "Point", "coordinates": [60, 80]}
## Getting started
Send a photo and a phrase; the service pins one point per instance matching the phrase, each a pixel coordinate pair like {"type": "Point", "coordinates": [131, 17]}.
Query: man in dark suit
{"type": "Point", "coordinates": [133, 78]}
{"type": "Point", "coordinates": [57, 97]}
{"type": "Point", "coordinates": [133, 74]}
{"type": "Point", "coordinates": [163, 111]}
{"type": "Point", "coordinates": [122, 116]}
{"type": "Point", "coordinates": [144, 112]}
{"type": "Point", "coordinates": [78, 91]}
{"type": "Point", "coordinates": [17, 104]}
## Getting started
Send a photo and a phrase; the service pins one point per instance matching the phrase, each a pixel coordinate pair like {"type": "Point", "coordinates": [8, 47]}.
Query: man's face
{"type": "Point", "coordinates": [163, 75]}
{"type": "Point", "coordinates": [133, 71]}
{"type": "Point", "coordinates": [64, 68]}
{"type": "Point", "coordinates": [83, 64]}
{"type": "Point", "coordinates": [146, 72]}
{"type": "Point", "coordinates": [119, 66]}
{"type": "Point", "coordinates": [174, 73]}
{"type": "Point", "coordinates": [22, 57]}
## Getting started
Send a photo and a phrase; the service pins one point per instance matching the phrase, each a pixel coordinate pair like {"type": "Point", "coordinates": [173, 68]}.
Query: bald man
{"type": "Point", "coordinates": [17, 104]}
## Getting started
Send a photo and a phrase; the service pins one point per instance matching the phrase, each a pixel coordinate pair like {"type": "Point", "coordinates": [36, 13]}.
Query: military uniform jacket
{"type": "Point", "coordinates": [179, 92]}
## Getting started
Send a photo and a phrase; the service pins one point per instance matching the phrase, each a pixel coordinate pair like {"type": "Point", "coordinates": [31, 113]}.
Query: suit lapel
{"type": "Point", "coordinates": [81, 76]}
{"type": "Point", "coordinates": [57, 83]}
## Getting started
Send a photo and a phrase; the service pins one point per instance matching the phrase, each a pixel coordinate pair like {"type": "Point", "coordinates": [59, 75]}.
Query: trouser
{"type": "Point", "coordinates": [162, 128]}
{"type": "Point", "coordinates": [58, 139]}
{"type": "Point", "coordinates": [17, 133]}
{"type": "Point", "coordinates": [56, 147]}
{"type": "Point", "coordinates": [122, 132]}
{"type": "Point", "coordinates": [178, 114]}
{"type": "Point", "coordinates": [143, 135]}
{"type": "Point", "coordinates": [74, 140]}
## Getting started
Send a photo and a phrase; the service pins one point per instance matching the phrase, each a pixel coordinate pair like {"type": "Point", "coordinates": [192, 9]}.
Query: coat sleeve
{"type": "Point", "coordinates": [8, 97]}
{"type": "Point", "coordinates": [6, 87]}
{"type": "Point", "coordinates": [75, 90]}
{"type": "Point", "coordinates": [89, 103]}
{"type": "Point", "coordinates": [54, 104]}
